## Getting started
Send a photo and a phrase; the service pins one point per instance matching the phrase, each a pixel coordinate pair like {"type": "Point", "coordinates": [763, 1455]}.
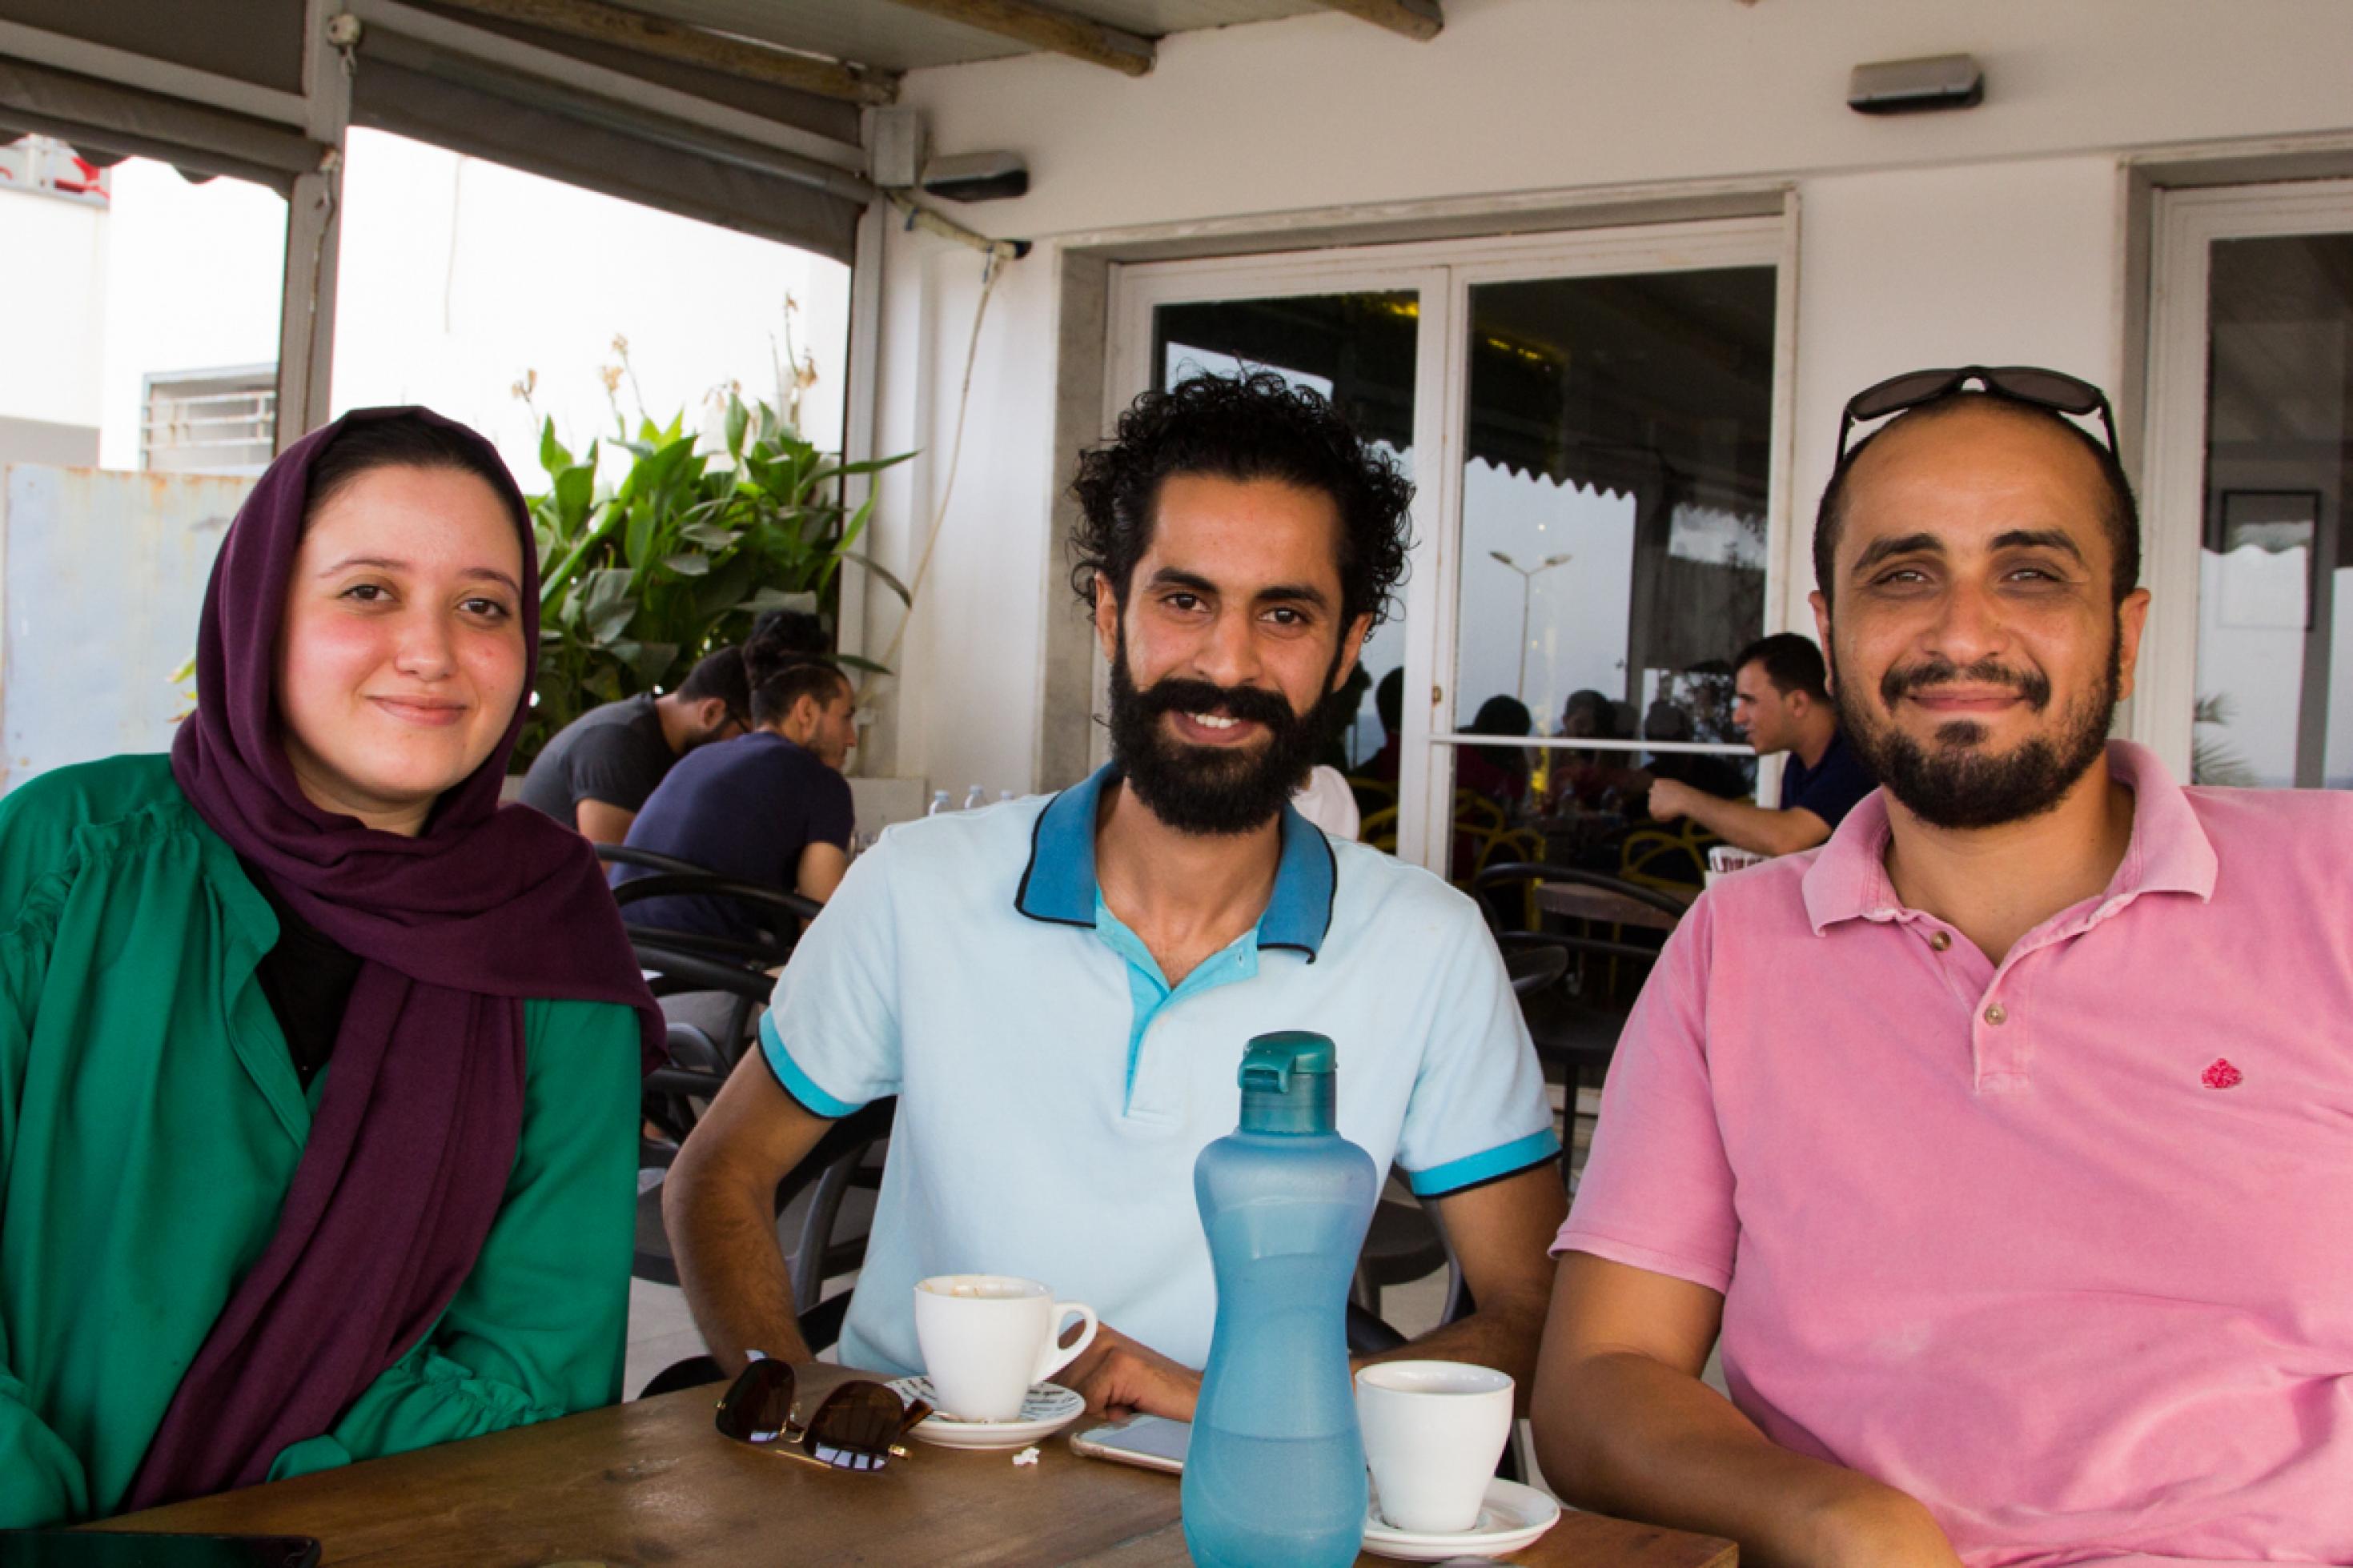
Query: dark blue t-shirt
{"type": "Point", "coordinates": [1829, 789]}
{"type": "Point", "coordinates": [744, 808]}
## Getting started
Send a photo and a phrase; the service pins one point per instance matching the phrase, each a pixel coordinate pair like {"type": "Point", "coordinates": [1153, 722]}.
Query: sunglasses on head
{"type": "Point", "coordinates": [856, 1426]}
{"type": "Point", "coordinates": [2020, 383]}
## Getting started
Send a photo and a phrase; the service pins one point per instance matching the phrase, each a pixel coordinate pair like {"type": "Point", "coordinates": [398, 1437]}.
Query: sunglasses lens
{"type": "Point", "coordinates": [853, 1429]}
{"type": "Point", "coordinates": [757, 1409]}
{"type": "Point", "coordinates": [2048, 388]}
{"type": "Point", "coordinates": [1899, 392]}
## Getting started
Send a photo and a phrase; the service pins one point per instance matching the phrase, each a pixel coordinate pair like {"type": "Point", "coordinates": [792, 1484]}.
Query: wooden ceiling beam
{"type": "Point", "coordinates": [668, 40]}
{"type": "Point", "coordinates": [1418, 19]}
{"type": "Point", "coordinates": [1042, 28]}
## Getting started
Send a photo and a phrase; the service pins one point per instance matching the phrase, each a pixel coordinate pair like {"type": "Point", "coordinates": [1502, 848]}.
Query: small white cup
{"type": "Point", "coordinates": [1433, 1431]}
{"type": "Point", "coordinates": [986, 1338]}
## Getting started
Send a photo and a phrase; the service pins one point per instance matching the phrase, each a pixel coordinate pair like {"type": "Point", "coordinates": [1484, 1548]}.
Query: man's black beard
{"type": "Point", "coordinates": [1957, 783]}
{"type": "Point", "coordinates": [1209, 789]}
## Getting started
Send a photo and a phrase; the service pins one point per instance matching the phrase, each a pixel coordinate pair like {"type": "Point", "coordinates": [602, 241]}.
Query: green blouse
{"type": "Point", "coordinates": [150, 1122]}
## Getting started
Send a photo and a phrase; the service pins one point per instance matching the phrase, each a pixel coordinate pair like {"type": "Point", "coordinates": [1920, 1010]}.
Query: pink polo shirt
{"type": "Point", "coordinates": [2063, 1247]}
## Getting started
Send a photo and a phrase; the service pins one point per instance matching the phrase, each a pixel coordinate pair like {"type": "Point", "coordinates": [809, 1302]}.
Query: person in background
{"type": "Point", "coordinates": [1327, 801]}
{"type": "Point", "coordinates": [1591, 780]}
{"type": "Point", "coordinates": [771, 807]}
{"type": "Point", "coordinates": [595, 774]}
{"type": "Point", "coordinates": [1781, 701]}
{"type": "Point", "coordinates": [319, 1070]}
{"type": "Point", "coordinates": [2003, 1138]}
{"type": "Point", "coordinates": [1703, 773]}
{"type": "Point", "coordinates": [1498, 772]}
{"type": "Point", "coordinates": [1059, 990]}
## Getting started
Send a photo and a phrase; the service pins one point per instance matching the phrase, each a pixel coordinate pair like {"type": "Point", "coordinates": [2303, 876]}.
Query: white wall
{"type": "Point", "coordinates": [1987, 235]}
{"type": "Point", "coordinates": [170, 276]}
{"type": "Point", "coordinates": [2014, 263]}
{"type": "Point", "coordinates": [52, 267]}
{"type": "Point", "coordinates": [193, 276]}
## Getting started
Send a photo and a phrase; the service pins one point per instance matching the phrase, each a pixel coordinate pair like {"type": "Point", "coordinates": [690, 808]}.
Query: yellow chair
{"type": "Point", "coordinates": [1379, 829]}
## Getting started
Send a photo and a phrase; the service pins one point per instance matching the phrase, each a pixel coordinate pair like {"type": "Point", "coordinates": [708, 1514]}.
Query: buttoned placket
{"type": "Point", "coordinates": [2001, 1043]}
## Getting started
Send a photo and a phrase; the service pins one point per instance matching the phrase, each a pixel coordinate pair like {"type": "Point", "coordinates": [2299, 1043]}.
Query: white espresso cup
{"type": "Point", "coordinates": [986, 1338]}
{"type": "Point", "coordinates": [1433, 1431]}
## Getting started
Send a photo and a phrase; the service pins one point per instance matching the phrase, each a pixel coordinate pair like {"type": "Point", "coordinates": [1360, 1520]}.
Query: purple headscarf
{"type": "Point", "coordinates": [408, 1161]}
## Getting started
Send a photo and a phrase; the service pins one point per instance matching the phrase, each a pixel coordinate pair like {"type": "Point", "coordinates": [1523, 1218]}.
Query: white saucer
{"type": "Point", "coordinates": [1048, 1408]}
{"type": "Point", "coordinates": [1511, 1516]}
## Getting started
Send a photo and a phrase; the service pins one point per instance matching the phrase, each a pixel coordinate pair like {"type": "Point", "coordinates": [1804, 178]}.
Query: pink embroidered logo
{"type": "Point", "coordinates": [2221, 1074]}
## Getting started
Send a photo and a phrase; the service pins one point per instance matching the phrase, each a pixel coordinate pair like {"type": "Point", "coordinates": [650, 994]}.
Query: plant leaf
{"type": "Point", "coordinates": [843, 470]}
{"type": "Point", "coordinates": [737, 418]}
{"type": "Point", "coordinates": [687, 564]}
{"type": "Point", "coordinates": [553, 456]}
{"type": "Point", "coordinates": [889, 580]}
{"type": "Point", "coordinates": [853, 661]}
{"type": "Point", "coordinates": [779, 599]}
{"type": "Point", "coordinates": [709, 534]}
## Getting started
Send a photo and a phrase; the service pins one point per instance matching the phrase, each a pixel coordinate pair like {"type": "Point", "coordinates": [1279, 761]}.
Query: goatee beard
{"type": "Point", "coordinates": [1955, 783]}
{"type": "Point", "coordinates": [1211, 790]}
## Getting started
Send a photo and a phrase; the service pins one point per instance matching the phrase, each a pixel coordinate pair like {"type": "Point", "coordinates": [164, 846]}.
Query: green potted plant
{"type": "Point", "coordinates": [646, 574]}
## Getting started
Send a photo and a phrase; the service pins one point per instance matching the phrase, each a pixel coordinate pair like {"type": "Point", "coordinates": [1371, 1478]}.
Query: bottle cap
{"type": "Point", "coordinates": [1290, 1083]}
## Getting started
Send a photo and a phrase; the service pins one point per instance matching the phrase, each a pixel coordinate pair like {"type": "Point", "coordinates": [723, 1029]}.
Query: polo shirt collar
{"type": "Point", "coordinates": [1059, 885]}
{"type": "Point", "coordinates": [2170, 852]}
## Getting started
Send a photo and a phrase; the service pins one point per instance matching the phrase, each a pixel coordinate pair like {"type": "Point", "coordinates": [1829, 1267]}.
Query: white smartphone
{"type": "Point", "coordinates": [1153, 1441]}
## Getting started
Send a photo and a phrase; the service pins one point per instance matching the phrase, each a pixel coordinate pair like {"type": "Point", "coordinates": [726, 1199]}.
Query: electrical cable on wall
{"type": "Point", "coordinates": [998, 253]}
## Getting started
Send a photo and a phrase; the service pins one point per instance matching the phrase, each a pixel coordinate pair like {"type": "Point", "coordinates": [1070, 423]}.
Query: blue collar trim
{"type": "Point", "coordinates": [1059, 885]}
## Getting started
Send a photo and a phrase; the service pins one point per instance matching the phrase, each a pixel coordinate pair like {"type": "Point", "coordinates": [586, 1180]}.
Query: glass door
{"type": "Point", "coordinates": [1594, 420]}
{"type": "Point", "coordinates": [1616, 465]}
{"type": "Point", "coordinates": [2252, 443]}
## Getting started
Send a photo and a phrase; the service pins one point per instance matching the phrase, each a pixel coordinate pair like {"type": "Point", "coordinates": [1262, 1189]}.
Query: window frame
{"type": "Point", "coordinates": [2188, 223]}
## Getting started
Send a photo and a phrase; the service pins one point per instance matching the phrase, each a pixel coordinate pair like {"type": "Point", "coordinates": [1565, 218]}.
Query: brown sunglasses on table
{"type": "Point", "coordinates": [856, 1426]}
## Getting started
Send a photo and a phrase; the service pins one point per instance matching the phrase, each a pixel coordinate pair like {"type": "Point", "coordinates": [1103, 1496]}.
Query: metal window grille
{"type": "Point", "coordinates": [209, 421]}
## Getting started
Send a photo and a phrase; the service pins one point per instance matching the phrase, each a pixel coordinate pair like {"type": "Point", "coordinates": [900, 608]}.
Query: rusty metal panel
{"type": "Point", "coordinates": [102, 576]}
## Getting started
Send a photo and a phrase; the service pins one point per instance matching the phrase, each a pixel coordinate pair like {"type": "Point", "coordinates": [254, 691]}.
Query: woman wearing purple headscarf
{"type": "Point", "coordinates": [318, 1069]}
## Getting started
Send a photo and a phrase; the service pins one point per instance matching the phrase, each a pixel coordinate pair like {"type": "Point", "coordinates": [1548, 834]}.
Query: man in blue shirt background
{"type": "Point", "coordinates": [1781, 701]}
{"type": "Point", "coordinates": [1058, 991]}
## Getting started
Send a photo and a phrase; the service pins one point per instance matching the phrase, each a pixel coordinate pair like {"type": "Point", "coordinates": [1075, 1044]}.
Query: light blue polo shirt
{"type": "Point", "coordinates": [1054, 1091]}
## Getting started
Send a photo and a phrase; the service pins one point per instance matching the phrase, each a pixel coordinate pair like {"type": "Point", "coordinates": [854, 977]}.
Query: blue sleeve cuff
{"type": "Point", "coordinates": [1473, 1170]}
{"type": "Point", "coordinates": [794, 1081]}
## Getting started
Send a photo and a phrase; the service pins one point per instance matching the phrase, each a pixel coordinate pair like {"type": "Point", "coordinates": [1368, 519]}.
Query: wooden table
{"type": "Point", "coordinates": [1576, 899]}
{"type": "Point", "coordinates": [651, 1483]}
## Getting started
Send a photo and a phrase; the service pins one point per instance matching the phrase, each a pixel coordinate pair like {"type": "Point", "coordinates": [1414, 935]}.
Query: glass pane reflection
{"type": "Point", "coordinates": [1614, 515]}
{"type": "Point", "coordinates": [2275, 696]}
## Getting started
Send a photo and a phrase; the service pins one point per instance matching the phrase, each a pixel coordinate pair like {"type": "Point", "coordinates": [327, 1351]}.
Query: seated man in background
{"type": "Point", "coordinates": [770, 808]}
{"type": "Point", "coordinates": [2004, 1138]}
{"type": "Point", "coordinates": [1058, 991]}
{"type": "Point", "coordinates": [1781, 701]}
{"type": "Point", "coordinates": [596, 773]}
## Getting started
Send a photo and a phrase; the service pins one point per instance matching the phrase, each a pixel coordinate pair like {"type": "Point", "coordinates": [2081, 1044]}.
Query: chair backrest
{"type": "Point", "coordinates": [1664, 857]}
{"type": "Point", "coordinates": [1532, 872]}
{"type": "Point", "coordinates": [625, 855]}
{"type": "Point", "coordinates": [1379, 829]}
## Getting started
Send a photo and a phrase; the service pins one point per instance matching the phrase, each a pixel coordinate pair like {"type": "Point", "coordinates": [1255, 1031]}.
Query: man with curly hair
{"type": "Point", "coordinates": [1058, 991]}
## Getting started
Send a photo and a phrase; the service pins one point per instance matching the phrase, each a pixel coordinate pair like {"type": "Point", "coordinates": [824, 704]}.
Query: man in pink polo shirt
{"type": "Point", "coordinates": [2007, 1139]}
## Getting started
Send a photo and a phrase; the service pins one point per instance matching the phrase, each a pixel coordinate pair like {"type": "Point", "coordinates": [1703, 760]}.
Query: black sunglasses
{"type": "Point", "coordinates": [856, 1426]}
{"type": "Point", "coordinates": [2020, 383]}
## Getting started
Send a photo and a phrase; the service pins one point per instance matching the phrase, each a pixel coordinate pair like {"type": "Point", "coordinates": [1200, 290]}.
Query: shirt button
{"type": "Point", "coordinates": [1994, 1013]}
{"type": "Point", "coordinates": [1940, 939]}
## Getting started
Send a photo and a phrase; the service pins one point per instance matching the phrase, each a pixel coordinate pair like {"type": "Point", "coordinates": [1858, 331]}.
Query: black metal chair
{"type": "Point", "coordinates": [811, 1200]}
{"type": "Point", "coordinates": [1575, 1022]}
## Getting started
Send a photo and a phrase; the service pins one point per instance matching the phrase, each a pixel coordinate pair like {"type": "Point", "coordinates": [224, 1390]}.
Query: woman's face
{"type": "Point", "coordinates": [400, 659]}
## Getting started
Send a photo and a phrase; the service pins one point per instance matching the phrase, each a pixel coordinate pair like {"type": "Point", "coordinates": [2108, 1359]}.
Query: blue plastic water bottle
{"type": "Point", "coordinates": [1274, 1476]}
